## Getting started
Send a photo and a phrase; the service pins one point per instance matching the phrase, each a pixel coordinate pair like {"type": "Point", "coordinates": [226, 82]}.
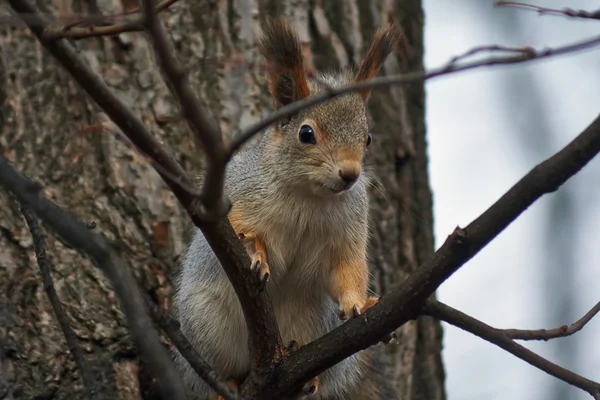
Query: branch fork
{"type": "Point", "coordinates": [276, 371]}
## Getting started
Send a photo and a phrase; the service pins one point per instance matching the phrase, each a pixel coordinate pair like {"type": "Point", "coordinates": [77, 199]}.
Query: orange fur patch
{"type": "Point", "coordinates": [350, 154]}
{"type": "Point", "coordinates": [348, 281]}
{"type": "Point", "coordinates": [236, 218]}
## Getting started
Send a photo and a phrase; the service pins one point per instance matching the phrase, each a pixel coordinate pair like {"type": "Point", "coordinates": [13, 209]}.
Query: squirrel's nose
{"type": "Point", "coordinates": [349, 176]}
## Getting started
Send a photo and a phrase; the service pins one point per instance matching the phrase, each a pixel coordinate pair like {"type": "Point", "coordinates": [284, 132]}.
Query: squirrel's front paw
{"type": "Point", "coordinates": [348, 311]}
{"type": "Point", "coordinates": [257, 250]}
{"type": "Point", "coordinates": [260, 266]}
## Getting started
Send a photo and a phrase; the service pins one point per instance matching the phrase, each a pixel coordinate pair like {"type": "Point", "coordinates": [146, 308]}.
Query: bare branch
{"type": "Point", "coordinates": [256, 304]}
{"type": "Point", "coordinates": [171, 327]}
{"type": "Point", "coordinates": [266, 345]}
{"type": "Point", "coordinates": [547, 334]}
{"type": "Point", "coordinates": [95, 25]}
{"type": "Point", "coordinates": [528, 53]}
{"type": "Point", "coordinates": [404, 303]}
{"type": "Point", "coordinates": [566, 12]}
{"type": "Point", "coordinates": [45, 266]}
{"type": "Point", "coordinates": [76, 234]}
{"type": "Point", "coordinates": [524, 55]}
{"type": "Point", "coordinates": [167, 324]}
{"type": "Point", "coordinates": [501, 339]}
{"type": "Point", "coordinates": [121, 115]}
{"type": "Point", "coordinates": [204, 127]}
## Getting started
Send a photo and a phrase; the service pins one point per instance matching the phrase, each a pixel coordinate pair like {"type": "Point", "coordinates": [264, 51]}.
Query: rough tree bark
{"type": "Point", "coordinates": [43, 120]}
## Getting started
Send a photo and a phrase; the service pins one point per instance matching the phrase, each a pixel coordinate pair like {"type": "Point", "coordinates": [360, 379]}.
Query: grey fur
{"type": "Point", "coordinates": [291, 194]}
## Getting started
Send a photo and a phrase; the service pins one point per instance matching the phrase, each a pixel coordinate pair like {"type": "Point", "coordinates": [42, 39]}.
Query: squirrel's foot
{"type": "Point", "coordinates": [257, 250]}
{"type": "Point", "coordinates": [311, 387]}
{"type": "Point", "coordinates": [357, 310]}
{"type": "Point", "coordinates": [350, 310]}
{"type": "Point", "coordinates": [232, 383]}
{"type": "Point", "coordinates": [259, 264]}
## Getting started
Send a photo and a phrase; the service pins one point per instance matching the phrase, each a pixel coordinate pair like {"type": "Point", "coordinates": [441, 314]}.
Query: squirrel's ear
{"type": "Point", "coordinates": [280, 45]}
{"type": "Point", "coordinates": [384, 42]}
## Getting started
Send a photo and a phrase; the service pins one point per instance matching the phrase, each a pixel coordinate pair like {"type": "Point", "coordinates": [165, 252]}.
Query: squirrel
{"type": "Point", "coordinates": [300, 206]}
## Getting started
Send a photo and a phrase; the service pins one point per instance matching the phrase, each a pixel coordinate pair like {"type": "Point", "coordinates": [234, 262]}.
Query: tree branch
{"type": "Point", "coordinates": [547, 334]}
{"type": "Point", "coordinates": [523, 55]}
{"type": "Point", "coordinates": [265, 344]}
{"type": "Point", "coordinates": [256, 305]}
{"type": "Point", "coordinates": [132, 22]}
{"type": "Point", "coordinates": [404, 303]}
{"type": "Point", "coordinates": [76, 234]}
{"type": "Point", "coordinates": [171, 327]}
{"type": "Point", "coordinates": [501, 339]}
{"type": "Point", "coordinates": [567, 12]}
{"type": "Point", "coordinates": [204, 127]}
{"type": "Point", "coordinates": [45, 267]}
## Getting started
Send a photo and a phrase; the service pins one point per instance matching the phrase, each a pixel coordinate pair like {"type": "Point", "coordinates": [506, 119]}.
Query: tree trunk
{"type": "Point", "coordinates": [45, 130]}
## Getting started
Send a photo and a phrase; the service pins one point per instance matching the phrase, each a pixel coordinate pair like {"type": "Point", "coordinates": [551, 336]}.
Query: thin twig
{"type": "Point", "coordinates": [204, 127]}
{"type": "Point", "coordinates": [400, 305]}
{"type": "Point", "coordinates": [256, 304]}
{"type": "Point", "coordinates": [547, 334]}
{"type": "Point", "coordinates": [45, 266]}
{"type": "Point", "coordinates": [265, 345]}
{"type": "Point", "coordinates": [405, 302]}
{"type": "Point", "coordinates": [525, 55]}
{"type": "Point", "coordinates": [76, 234]}
{"type": "Point", "coordinates": [500, 338]}
{"type": "Point", "coordinates": [566, 12]}
{"type": "Point", "coordinates": [526, 52]}
{"type": "Point", "coordinates": [117, 110]}
{"type": "Point", "coordinates": [131, 23]}
{"type": "Point", "coordinates": [171, 327]}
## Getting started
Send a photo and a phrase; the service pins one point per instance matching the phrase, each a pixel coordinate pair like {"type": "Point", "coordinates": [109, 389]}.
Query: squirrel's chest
{"type": "Point", "coordinates": [299, 255]}
{"type": "Point", "coordinates": [302, 246]}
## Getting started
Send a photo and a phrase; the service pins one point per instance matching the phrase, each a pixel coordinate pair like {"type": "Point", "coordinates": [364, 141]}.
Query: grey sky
{"type": "Point", "coordinates": [487, 128]}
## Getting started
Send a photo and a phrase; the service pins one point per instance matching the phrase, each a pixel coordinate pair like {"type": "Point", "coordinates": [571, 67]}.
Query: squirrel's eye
{"type": "Point", "coordinates": [307, 135]}
{"type": "Point", "coordinates": [369, 139]}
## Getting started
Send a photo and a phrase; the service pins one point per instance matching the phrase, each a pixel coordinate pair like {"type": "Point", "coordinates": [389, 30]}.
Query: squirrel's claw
{"type": "Point", "coordinates": [293, 345]}
{"type": "Point", "coordinates": [357, 311]}
{"type": "Point", "coordinates": [257, 250]}
{"type": "Point", "coordinates": [260, 266]}
{"type": "Point", "coordinates": [389, 338]}
{"type": "Point", "coordinates": [311, 387]}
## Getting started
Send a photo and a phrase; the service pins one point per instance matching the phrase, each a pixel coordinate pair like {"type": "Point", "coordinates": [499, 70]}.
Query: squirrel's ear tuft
{"type": "Point", "coordinates": [281, 47]}
{"type": "Point", "coordinates": [384, 42]}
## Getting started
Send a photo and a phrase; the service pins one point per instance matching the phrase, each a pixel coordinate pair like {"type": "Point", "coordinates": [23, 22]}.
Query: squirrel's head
{"type": "Point", "coordinates": [322, 147]}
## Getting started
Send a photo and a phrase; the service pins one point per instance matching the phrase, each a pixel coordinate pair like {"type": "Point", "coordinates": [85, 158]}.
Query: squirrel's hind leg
{"type": "Point", "coordinates": [257, 249]}
{"type": "Point", "coordinates": [232, 383]}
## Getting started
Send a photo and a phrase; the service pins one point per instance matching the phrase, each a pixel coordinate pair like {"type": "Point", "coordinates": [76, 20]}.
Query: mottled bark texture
{"type": "Point", "coordinates": [43, 120]}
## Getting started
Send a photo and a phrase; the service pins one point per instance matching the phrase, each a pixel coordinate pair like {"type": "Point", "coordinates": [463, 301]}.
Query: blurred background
{"type": "Point", "coordinates": [487, 128]}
